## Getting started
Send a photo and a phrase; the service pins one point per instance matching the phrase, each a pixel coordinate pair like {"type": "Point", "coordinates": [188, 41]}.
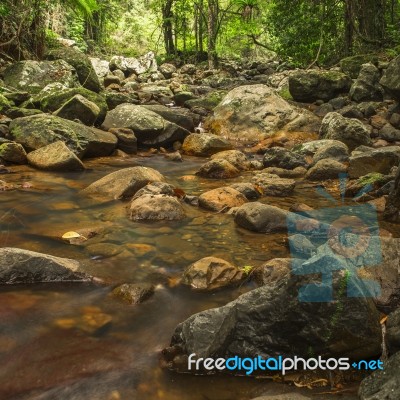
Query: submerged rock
{"type": "Point", "coordinates": [211, 273]}
{"type": "Point", "coordinates": [156, 208]}
{"type": "Point", "coordinates": [273, 185]}
{"type": "Point", "coordinates": [259, 217]}
{"type": "Point", "coordinates": [24, 266]}
{"type": "Point", "coordinates": [133, 293]}
{"type": "Point", "coordinates": [123, 183]}
{"type": "Point", "coordinates": [221, 199]}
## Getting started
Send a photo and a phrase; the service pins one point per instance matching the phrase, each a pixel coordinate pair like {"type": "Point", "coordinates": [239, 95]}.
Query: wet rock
{"type": "Point", "coordinates": [259, 217]}
{"type": "Point", "coordinates": [78, 107]}
{"type": "Point", "coordinates": [283, 158]}
{"type": "Point", "coordinates": [390, 81]}
{"type": "Point", "coordinates": [24, 266]}
{"type": "Point", "coordinates": [235, 157]}
{"type": "Point", "coordinates": [335, 150]}
{"type": "Point", "coordinates": [156, 208]}
{"type": "Point", "coordinates": [41, 130]}
{"type": "Point", "coordinates": [51, 99]}
{"type": "Point", "coordinates": [211, 273]}
{"type": "Point", "coordinates": [352, 65]}
{"type": "Point", "coordinates": [55, 157]}
{"type": "Point", "coordinates": [382, 384]}
{"type": "Point", "coordinates": [326, 169]}
{"type": "Point", "coordinates": [250, 191]}
{"type": "Point", "coordinates": [351, 132]}
{"type": "Point", "coordinates": [150, 128]}
{"type": "Point", "coordinates": [273, 271]}
{"type": "Point", "coordinates": [218, 169]}
{"type": "Point", "coordinates": [133, 293]}
{"type": "Point", "coordinates": [204, 144]}
{"type": "Point", "coordinates": [127, 141]}
{"type": "Point", "coordinates": [380, 160]}
{"type": "Point", "coordinates": [155, 188]}
{"type": "Point", "coordinates": [175, 156]}
{"type": "Point", "coordinates": [270, 321]}
{"type": "Point", "coordinates": [13, 153]}
{"type": "Point", "coordinates": [33, 76]}
{"type": "Point", "coordinates": [297, 172]}
{"type": "Point", "coordinates": [80, 61]}
{"type": "Point", "coordinates": [179, 116]}
{"type": "Point", "coordinates": [367, 86]}
{"type": "Point", "coordinates": [301, 246]}
{"type": "Point", "coordinates": [123, 183]}
{"type": "Point", "coordinates": [389, 133]}
{"type": "Point", "coordinates": [253, 113]}
{"type": "Point", "coordinates": [272, 185]}
{"type": "Point", "coordinates": [221, 199]}
{"type": "Point", "coordinates": [312, 85]}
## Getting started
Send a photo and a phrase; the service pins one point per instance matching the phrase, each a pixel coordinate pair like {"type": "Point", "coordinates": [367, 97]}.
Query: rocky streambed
{"type": "Point", "coordinates": [142, 203]}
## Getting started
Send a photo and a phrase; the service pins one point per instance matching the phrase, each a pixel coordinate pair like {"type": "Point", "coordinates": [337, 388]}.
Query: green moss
{"type": "Point", "coordinates": [4, 103]}
{"type": "Point", "coordinates": [370, 179]}
{"type": "Point", "coordinates": [209, 102]}
{"type": "Point", "coordinates": [285, 93]}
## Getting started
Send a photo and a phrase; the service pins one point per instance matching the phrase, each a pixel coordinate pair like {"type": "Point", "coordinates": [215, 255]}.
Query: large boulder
{"type": "Point", "coordinates": [253, 113]}
{"type": "Point", "coordinates": [123, 183]}
{"type": "Point", "coordinates": [221, 199]}
{"type": "Point", "coordinates": [41, 130]}
{"type": "Point", "coordinates": [55, 157]}
{"type": "Point", "coordinates": [382, 384]}
{"type": "Point", "coordinates": [350, 131]}
{"type": "Point", "coordinates": [367, 87]}
{"type": "Point", "coordinates": [101, 67]}
{"type": "Point", "coordinates": [86, 74]}
{"type": "Point", "coordinates": [141, 65]}
{"type": "Point", "coordinates": [283, 158]}
{"type": "Point", "coordinates": [33, 76]}
{"type": "Point", "coordinates": [380, 160]}
{"type": "Point", "coordinates": [218, 169]}
{"type": "Point", "coordinates": [204, 145]}
{"type": "Point", "coordinates": [51, 99]}
{"type": "Point", "coordinates": [78, 107]}
{"type": "Point", "coordinates": [149, 128]}
{"type": "Point", "coordinates": [272, 321]}
{"type": "Point", "coordinates": [13, 153]}
{"type": "Point", "coordinates": [312, 85]}
{"type": "Point", "coordinates": [156, 207]}
{"type": "Point", "coordinates": [273, 185]}
{"type": "Point", "coordinates": [211, 273]}
{"type": "Point", "coordinates": [179, 116]}
{"type": "Point", "coordinates": [235, 157]}
{"type": "Point", "coordinates": [24, 266]}
{"type": "Point", "coordinates": [259, 217]}
{"type": "Point", "coordinates": [326, 169]}
{"type": "Point", "coordinates": [352, 65]}
{"type": "Point", "coordinates": [333, 149]}
{"type": "Point", "coordinates": [390, 80]}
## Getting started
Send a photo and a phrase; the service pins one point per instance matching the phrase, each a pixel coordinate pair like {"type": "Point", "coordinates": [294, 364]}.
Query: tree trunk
{"type": "Point", "coordinates": [348, 23]}
{"type": "Point", "coordinates": [212, 33]}
{"type": "Point", "coordinates": [167, 15]}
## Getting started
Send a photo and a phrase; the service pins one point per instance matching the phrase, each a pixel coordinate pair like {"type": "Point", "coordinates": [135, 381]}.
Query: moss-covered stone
{"type": "Point", "coordinates": [55, 99]}
{"type": "Point", "coordinates": [84, 68]}
{"type": "Point", "coordinates": [41, 130]}
{"type": "Point", "coordinates": [352, 65]}
{"type": "Point", "coordinates": [33, 76]}
{"type": "Point", "coordinates": [13, 153]}
{"type": "Point", "coordinates": [4, 103]}
{"type": "Point", "coordinates": [370, 179]}
{"type": "Point", "coordinates": [209, 101]}
{"type": "Point", "coordinates": [17, 112]}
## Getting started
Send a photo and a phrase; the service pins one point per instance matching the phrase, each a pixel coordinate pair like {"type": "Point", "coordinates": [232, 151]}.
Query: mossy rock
{"type": "Point", "coordinates": [4, 103]}
{"type": "Point", "coordinates": [352, 65]}
{"type": "Point", "coordinates": [41, 130]}
{"type": "Point", "coordinates": [18, 112]}
{"type": "Point", "coordinates": [371, 179]}
{"type": "Point", "coordinates": [209, 101]}
{"type": "Point", "coordinates": [55, 99]}
{"type": "Point", "coordinates": [80, 61]}
{"type": "Point", "coordinates": [33, 76]}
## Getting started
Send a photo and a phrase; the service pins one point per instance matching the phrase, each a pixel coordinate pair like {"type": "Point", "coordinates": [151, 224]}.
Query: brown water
{"type": "Point", "coordinates": [72, 341]}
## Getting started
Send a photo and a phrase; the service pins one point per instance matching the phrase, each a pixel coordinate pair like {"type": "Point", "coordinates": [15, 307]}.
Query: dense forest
{"type": "Point", "coordinates": [302, 32]}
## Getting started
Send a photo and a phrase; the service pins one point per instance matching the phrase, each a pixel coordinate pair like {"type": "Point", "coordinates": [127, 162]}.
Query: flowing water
{"type": "Point", "coordinates": [73, 341]}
